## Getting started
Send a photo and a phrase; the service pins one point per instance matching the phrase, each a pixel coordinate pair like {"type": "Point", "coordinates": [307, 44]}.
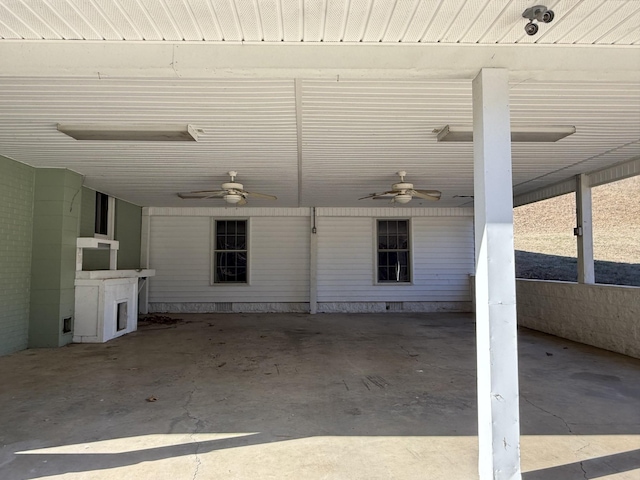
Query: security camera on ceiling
{"type": "Point", "coordinates": [539, 13]}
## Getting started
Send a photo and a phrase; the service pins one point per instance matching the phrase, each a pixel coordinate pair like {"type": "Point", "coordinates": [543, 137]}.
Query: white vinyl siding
{"type": "Point", "coordinates": [442, 259]}
{"type": "Point", "coordinates": [180, 252]}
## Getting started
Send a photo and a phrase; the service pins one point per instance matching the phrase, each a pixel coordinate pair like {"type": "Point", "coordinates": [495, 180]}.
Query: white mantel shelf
{"type": "Point", "coordinates": [90, 242]}
{"type": "Point", "coordinates": [107, 274]}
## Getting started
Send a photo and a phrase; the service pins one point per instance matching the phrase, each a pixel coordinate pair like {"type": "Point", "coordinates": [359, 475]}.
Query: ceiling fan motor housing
{"type": "Point", "coordinates": [402, 186]}
{"type": "Point", "coordinates": [231, 186]}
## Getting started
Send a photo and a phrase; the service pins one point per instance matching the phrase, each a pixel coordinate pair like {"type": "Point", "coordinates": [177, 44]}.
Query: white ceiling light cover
{"type": "Point", "coordinates": [131, 132]}
{"type": "Point", "coordinates": [552, 133]}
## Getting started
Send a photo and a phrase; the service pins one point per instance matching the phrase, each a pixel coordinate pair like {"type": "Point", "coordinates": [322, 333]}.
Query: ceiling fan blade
{"type": "Point", "coordinates": [433, 195]}
{"type": "Point", "coordinates": [219, 192]}
{"type": "Point", "coordinates": [202, 195]}
{"type": "Point", "coordinates": [242, 202]}
{"type": "Point", "coordinates": [378, 196]}
{"type": "Point", "coordinates": [260, 195]}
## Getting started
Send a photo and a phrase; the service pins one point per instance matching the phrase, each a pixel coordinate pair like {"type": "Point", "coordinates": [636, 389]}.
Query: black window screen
{"type": "Point", "coordinates": [230, 251]}
{"type": "Point", "coordinates": [102, 213]}
{"type": "Point", "coordinates": [393, 251]}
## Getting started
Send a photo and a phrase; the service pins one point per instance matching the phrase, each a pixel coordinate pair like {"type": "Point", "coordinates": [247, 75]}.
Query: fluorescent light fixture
{"type": "Point", "coordinates": [553, 133]}
{"type": "Point", "coordinates": [133, 132]}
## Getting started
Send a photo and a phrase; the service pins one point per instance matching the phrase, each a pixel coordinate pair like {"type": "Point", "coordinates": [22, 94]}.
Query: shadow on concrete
{"type": "Point", "coordinates": [596, 467]}
{"type": "Point", "coordinates": [293, 377]}
{"type": "Point", "coordinates": [539, 266]}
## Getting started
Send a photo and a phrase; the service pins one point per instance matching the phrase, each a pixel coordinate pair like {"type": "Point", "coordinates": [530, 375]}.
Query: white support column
{"type": "Point", "coordinates": [498, 409]}
{"type": "Point", "coordinates": [145, 237]}
{"type": "Point", "coordinates": [313, 264]}
{"type": "Point", "coordinates": [584, 230]}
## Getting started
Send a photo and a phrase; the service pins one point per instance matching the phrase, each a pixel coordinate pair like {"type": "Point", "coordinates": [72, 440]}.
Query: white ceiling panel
{"type": "Point", "coordinates": [310, 137]}
{"type": "Point", "coordinates": [314, 17]}
{"type": "Point", "coordinates": [445, 16]}
{"type": "Point", "coordinates": [292, 21]}
{"type": "Point", "coordinates": [400, 20]}
{"type": "Point", "coordinates": [226, 14]}
{"type": "Point", "coordinates": [388, 21]}
{"type": "Point", "coordinates": [153, 20]}
{"type": "Point", "coordinates": [249, 16]}
{"type": "Point", "coordinates": [206, 21]}
{"type": "Point", "coordinates": [354, 134]}
{"type": "Point", "coordinates": [95, 19]}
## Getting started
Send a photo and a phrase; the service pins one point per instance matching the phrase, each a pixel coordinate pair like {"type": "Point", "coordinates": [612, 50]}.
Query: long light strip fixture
{"type": "Point", "coordinates": [134, 132]}
{"type": "Point", "coordinates": [458, 133]}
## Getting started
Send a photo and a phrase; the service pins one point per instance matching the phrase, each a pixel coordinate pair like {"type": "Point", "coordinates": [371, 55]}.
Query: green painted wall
{"type": "Point", "coordinates": [16, 223]}
{"type": "Point", "coordinates": [127, 231]}
{"type": "Point", "coordinates": [56, 226]}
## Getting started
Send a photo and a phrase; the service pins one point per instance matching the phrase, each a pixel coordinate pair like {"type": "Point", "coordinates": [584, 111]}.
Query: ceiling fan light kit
{"type": "Point", "coordinates": [231, 192]}
{"type": "Point", "coordinates": [402, 192]}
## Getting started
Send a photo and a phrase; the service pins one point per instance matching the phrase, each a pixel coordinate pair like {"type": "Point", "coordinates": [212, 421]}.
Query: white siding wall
{"type": "Point", "coordinates": [278, 261]}
{"type": "Point", "coordinates": [442, 253]}
{"type": "Point", "coordinates": [279, 251]}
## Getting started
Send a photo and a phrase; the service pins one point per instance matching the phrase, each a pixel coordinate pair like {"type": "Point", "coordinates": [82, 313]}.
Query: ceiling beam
{"type": "Point", "coordinates": [614, 173]}
{"type": "Point", "coordinates": [588, 63]}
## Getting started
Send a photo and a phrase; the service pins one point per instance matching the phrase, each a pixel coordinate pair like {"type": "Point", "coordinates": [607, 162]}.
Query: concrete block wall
{"type": "Point", "coordinates": [16, 212]}
{"type": "Point", "coordinates": [605, 316]}
{"type": "Point", "coordinates": [56, 225]}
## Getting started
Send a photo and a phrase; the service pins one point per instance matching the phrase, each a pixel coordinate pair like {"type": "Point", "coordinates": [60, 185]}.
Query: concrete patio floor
{"type": "Point", "coordinates": [292, 396]}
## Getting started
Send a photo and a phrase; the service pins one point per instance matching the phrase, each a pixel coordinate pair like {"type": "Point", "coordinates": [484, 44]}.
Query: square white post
{"type": "Point", "coordinates": [145, 238]}
{"type": "Point", "coordinates": [584, 217]}
{"type": "Point", "coordinates": [313, 263]}
{"type": "Point", "coordinates": [496, 327]}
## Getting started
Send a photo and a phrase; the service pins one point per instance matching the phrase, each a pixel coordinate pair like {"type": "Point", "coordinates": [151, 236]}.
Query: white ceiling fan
{"type": "Point", "coordinates": [403, 192]}
{"type": "Point", "coordinates": [232, 192]}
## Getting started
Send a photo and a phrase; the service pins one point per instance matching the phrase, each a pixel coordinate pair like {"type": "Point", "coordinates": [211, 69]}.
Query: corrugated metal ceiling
{"type": "Point", "coordinates": [608, 22]}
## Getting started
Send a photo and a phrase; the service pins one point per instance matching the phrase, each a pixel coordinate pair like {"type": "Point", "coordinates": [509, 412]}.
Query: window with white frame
{"type": "Point", "coordinates": [104, 216]}
{"type": "Point", "coordinates": [394, 251]}
{"type": "Point", "coordinates": [230, 251]}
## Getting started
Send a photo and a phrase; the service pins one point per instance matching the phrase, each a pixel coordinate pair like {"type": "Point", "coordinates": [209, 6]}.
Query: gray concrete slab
{"type": "Point", "coordinates": [294, 396]}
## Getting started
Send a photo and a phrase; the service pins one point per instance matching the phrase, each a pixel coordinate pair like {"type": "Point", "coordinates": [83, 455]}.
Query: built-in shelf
{"type": "Point", "coordinates": [97, 244]}
{"type": "Point", "coordinates": [91, 242]}
{"type": "Point", "coordinates": [106, 274]}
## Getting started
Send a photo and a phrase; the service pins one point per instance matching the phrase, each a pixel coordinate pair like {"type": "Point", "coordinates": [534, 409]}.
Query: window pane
{"type": "Point", "coordinates": [404, 274]}
{"type": "Point", "coordinates": [101, 213]}
{"type": "Point", "coordinates": [241, 275]}
{"type": "Point", "coordinates": [231, 256]}
{"type": "Point", "coordinates": [393, 251]}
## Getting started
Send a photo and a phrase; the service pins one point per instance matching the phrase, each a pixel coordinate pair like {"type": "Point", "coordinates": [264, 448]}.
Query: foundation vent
{"type": "Point", "coordinates": [395, 306]}
{"type": "Point", "coordinates": [66, 325]}
{"type": "Point", "coordinates": [223, 307]}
